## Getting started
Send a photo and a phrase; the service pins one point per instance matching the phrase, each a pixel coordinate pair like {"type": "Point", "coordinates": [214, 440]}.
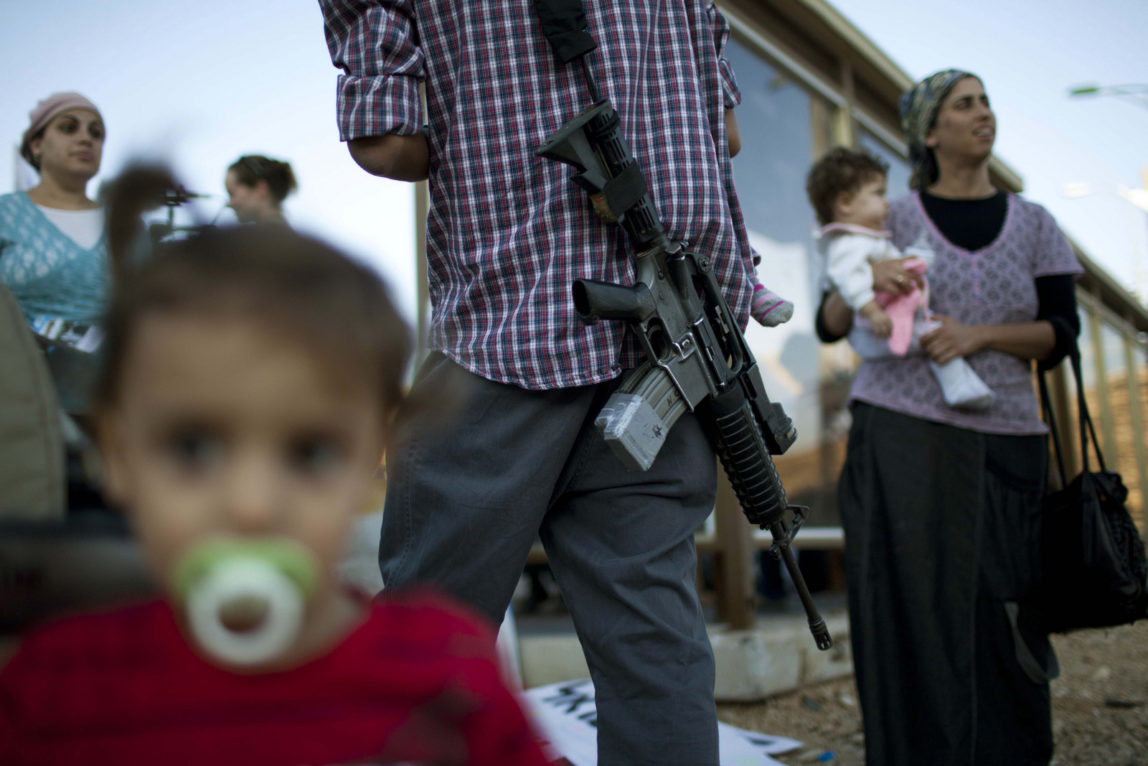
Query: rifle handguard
{"type": "Point", "coordinates": [744, 456]}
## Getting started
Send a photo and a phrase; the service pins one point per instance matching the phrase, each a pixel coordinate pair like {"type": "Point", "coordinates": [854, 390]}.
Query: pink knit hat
{"type": "Point", "coordinates": [45, 111]}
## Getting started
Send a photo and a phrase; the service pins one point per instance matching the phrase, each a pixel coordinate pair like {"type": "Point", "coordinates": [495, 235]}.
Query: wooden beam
{"type": "Point", "coordinates": [843, 128]}
{"type": "Point", "coordinates": [1136, 419]}
{"type": "Point", "coordinates": [1100, 364]}
{"type": "Point", "coordinates": [422, 303]}
{"type": "Point", "coordinates": [1066, 425]}
{"type": "Point", "coordinates": [734, 560]}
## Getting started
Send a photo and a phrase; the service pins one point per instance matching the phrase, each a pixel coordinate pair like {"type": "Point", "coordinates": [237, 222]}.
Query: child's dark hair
{"type": "Point", "coordinates": [285, 281]}
{"type": "Point", "coordinates": [252, 168]}
{"type": "Point", "coordinates": [840, 170]}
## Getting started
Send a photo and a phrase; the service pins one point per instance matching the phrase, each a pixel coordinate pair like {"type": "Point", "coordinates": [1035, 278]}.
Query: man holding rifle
{"type": "Point", "coordinates": [507, 236]}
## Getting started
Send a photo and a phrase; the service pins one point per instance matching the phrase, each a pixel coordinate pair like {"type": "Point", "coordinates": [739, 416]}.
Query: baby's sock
{"type": "Point", "coordinates": [769, 308]}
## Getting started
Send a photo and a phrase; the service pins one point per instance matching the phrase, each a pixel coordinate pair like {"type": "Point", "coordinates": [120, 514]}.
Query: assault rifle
{"type": "Point", "coordinates": [696, 356]}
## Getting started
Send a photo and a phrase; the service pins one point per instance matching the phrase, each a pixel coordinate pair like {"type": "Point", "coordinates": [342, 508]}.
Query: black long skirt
{"type": "Point", "coordinates": [942, 529]}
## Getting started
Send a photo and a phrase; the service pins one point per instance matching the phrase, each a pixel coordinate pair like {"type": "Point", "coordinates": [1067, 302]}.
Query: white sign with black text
{"type": "Point", "coordinates": [566, 715]}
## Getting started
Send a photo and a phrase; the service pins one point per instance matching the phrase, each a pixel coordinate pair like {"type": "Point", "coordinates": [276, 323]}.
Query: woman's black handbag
{"type": "Point", "coordinates": [1095, 574]}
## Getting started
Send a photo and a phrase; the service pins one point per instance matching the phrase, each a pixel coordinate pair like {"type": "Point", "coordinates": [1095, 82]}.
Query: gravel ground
{"type": "Point", "coordinates": [1099, 707]}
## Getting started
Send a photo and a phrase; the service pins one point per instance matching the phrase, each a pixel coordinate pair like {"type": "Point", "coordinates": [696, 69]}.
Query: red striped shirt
{"type": "Point", "coordinates": [416, 683]}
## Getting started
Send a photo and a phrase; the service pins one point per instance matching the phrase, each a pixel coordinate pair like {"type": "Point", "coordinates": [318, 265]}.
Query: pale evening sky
{"type": "Point", "coordinates": [199, 84]}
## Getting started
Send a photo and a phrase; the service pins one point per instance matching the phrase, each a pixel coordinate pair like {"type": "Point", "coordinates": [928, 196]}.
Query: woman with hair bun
{"type": "Point", "coordinates": [256, 187]}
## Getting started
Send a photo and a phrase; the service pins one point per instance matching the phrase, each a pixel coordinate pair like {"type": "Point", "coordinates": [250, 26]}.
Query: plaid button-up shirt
{"type": "Point", "coordinates": [507, 232]}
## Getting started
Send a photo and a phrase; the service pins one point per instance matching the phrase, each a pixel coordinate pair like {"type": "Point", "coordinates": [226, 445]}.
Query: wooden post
{"type": "Point", "coordinates": [843, 132]}
{"type": "Point", "coordinates": [422, 300]}
{"type": "Point", "coordinates": [422, 303]}
{"type": "Point", "coordinates": [1136, 418]}
{"type": "Point", "coordinates": [735, 596]}
{"type": "Point", "coordinates": [1066, 425]}
{"type": "Point", "coordinates": [1107, 427]}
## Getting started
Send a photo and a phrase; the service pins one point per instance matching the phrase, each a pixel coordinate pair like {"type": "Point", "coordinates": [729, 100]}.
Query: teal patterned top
{"type": "Point", "coordinates": [48, 273]}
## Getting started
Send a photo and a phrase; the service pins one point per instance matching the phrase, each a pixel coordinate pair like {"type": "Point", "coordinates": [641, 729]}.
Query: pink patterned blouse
{"type": "Point", "coordinates": [993, 285]}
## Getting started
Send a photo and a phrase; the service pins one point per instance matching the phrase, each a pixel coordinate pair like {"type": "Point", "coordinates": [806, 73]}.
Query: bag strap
{"type": "Point", "coordinates": [1085, 416]}
{"type": "Point", "coordinates": [1050, 419]}
{"type": "Point", "coordinates": [1085, 425]}
{"type": "Point", "coordinates": [564, 25]}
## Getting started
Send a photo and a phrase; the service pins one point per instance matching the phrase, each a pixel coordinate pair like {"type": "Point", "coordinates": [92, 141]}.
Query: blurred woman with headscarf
{"type": "Point", "coordinates": [941, 507]}
{"type": "Point", "coordinates": [53, 254]}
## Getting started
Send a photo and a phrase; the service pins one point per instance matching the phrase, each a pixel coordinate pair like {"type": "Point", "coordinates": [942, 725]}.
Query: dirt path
{"type": "Point", "coordinates": [1099, 707]}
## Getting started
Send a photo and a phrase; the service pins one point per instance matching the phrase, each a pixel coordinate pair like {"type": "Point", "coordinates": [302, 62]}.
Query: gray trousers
{"type": "Point", "coordinates": [466, 502]}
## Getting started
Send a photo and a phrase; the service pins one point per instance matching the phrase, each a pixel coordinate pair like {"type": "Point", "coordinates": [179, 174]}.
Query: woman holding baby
{"type": "Point", "coordinates": [940, 504]}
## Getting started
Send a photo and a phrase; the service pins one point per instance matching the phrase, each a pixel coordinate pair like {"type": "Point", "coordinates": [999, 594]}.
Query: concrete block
{"type": "Point", "coordinates": [359, 566]}
{"type": "Point", "coordinates": [550, 659]}
{"type": "Point", "coordinates": [752, 664]}
{"type": "Point", "coordinates": [837, 662]}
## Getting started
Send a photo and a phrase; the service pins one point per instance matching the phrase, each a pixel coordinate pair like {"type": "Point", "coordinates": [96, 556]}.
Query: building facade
{"type": "Point", "coordinates": [811, 81]}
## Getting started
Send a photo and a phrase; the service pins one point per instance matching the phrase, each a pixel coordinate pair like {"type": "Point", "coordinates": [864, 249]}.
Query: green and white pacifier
{"type": "Point", "coordinates": [244, 598]}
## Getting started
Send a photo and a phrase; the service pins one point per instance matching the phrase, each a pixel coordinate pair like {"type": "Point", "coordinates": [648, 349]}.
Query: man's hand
{"type": "Point", "coordinates": [952, 339]}
{"type": "Point", "coordinates": [403, 158]}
